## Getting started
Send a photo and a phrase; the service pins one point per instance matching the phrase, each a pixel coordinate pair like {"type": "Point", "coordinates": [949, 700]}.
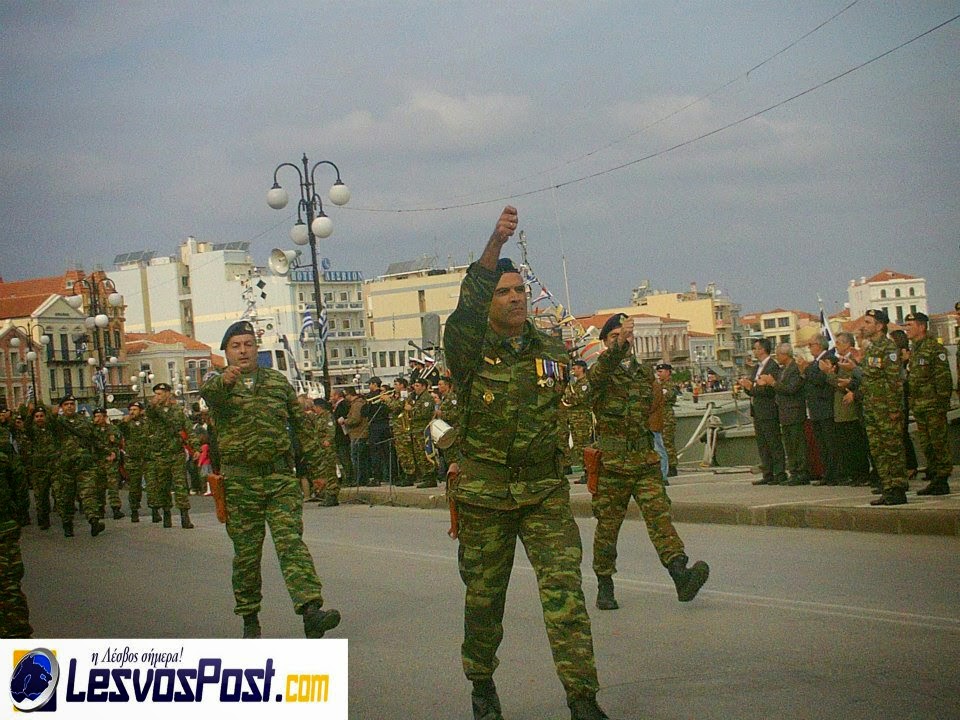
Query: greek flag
{"type": "Point", "coordinates": [100, 380]}
{"type": "Point", "coordinates": [306, 325]}
{"type": "Point", "coordinates": [825, 330]}
{"type": "Point", "coordinates": [324, 330]}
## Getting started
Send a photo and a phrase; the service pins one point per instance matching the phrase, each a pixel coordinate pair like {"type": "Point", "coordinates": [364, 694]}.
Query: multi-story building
{"type": "Point", "coordinates": [172, 358]}
{"type": "Point", "coordinates": [407, 309]}
{"type": "Point", "coordinates": [655, 339]}
{"type": "Point", "coordinates": [895, 292]}
{"type": "Point", "coordinates": [207, 286]}
{"type": "Point", "coordinates": [780, 326]}
{"type": "Point", "coordinates": [78, 352]}
{"type": "Point", "coordinates": [706, 312]}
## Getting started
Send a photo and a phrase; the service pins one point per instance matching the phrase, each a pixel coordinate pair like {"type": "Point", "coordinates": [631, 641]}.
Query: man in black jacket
{"type": "Point", "coordinates": [341, 442]}
{"type": "Point", "coordinates": [763, 408]}
{"type": "Point", "coordinates": [792, 412]}
{"type": "Point", "coordinates": [819, 396]}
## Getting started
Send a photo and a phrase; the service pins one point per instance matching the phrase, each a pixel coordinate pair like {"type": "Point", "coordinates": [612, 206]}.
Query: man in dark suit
{"type": "Point", "coordinates": [792, 412]}
{"type": "Point", "coordinates": [341, 442]}
{"type": "Point", "coordinates": [763, 408]}
{"type": "Point", "coordinates": [819, 395]}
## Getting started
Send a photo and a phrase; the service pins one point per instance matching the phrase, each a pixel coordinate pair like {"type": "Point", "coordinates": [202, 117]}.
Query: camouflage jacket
{"type": "Point", "coordinates": [137, 442]}
{"type": "Point", "coordinates": [622, 399]}
{"type": "Point", "coordinates": [450, 409]}
{"type": "Point", "coordinates": [254, 419]}
{"type": "Point", "coordinates": [167, 425]}
{"type": "Point", "coordinates": [76, 438]}
{"type": "Point", "coordinates": [930, 381]}
{"type": "Point", "coordinates": [106, 441]}
{"type": "Point", "coordinates": [576, 398]}
{"type": "Point", "coordinates": [422, 411]}
{"type": "Point", "coordinates": [881, 382]}
{"type": "Point", "coordinates": [509, 392]}
{"type": "Point", "coordinates": [14, 498]}
{"type": "Point", "coordinates": [41, 447]}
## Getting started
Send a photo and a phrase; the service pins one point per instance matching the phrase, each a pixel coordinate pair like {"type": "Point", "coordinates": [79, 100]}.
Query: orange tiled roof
{"type": "Point", "coordinates": [887, 274]}
{"type": "Point", "coordinates": [140, 341]}
{"type": "Point", "coordinates": [34, 286]}
{"type": "Point", "coordinates": [20, 307]}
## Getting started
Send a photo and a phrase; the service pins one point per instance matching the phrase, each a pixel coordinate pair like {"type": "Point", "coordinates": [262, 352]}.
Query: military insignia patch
{"type": "Point", "coordinates": [893, 357]}
{"type": "Point", "coordinates": [488, 397]}
{"type": "Point", "coordinates": [942, 356]}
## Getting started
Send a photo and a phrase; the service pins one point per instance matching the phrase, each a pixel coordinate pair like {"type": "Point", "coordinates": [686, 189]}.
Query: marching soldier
{"type": "Point", "coordinates": [169, 430]}
{"type": "Point", "coordinates": [579, 417]}
{"type": "Point", "coordinates": [74, 432]}
{"type": "Point", "coordinates": [510, 379]}
{"type": "Point", "coordinates": [326, 470]}
{"type": "Point", "coordinates": [13, 437]}
{"type": "Point", "coordinates": [400, 429]}
{"type": "Point", "coordinates": [107, 484]}
{"type": "Point", "coordinates": [14, 612]}
{"type": "Point", "coordinates": [42, 447]}
{"type": "Point", "coordinates": [622, 396]}
{"type": "Point", "coordinates": [135, 432]}
{"type": "Point", "coordinates": [255, 411]}
{"type": "Point", "coordinates": [883, 409]}
{"type": "Point", "coordinates": [930, 390]}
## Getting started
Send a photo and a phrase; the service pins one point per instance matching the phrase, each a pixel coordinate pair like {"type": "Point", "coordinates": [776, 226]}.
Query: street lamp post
{"type": "Point", "coordinates": [96, 322]}
{"type": "Point", "coordinates": [31, 355]}
{"type": "Point", "coordinates": [139, 382]}
{"type": "Point", "coordinates": [317, 225]}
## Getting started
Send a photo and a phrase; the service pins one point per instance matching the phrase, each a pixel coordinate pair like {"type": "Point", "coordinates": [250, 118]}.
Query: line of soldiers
{"type": "Point", "coordinates": [69, 459]}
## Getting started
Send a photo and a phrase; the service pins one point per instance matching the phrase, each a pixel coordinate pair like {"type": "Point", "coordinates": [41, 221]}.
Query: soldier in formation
{"type": "Point", "coordinates": [420, 407]}
{"type": "Point", "coordinates": [135, 436]}
{"type": "Point", "coordinates": [577, 419]}
{"type": "Point", "coordinates": [14, 612]}
{"type": "Point", "coordinates": [170, 433]}
{"type": "Point", "coordinates": [255, 411]}
{"type": "Point", "coordinates": [106, 474]}
{"type": "Point", "coordinates": [668, 387]}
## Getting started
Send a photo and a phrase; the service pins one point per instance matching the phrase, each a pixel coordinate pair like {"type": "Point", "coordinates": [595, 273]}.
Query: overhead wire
{"type": "Point", "coordinates": [664, 151]}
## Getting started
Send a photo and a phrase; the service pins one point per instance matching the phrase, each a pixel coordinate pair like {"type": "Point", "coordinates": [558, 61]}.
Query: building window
{"type": "Point", "coordinates": [346, 323]}
{"type": "Point", "coordinates": [783, 322]}
{"type": "Point", "coordinates": [375, 366]}
{"type": "Point", "coordinates": [364, 351]}
{"type": "Point", "coordinates": [883, 293]}
{"type": "Point", "coordinates": [899, 314]}
{"type": "Point", "coordinates": [348, 352]}
{"type": "Point", "coordinates": [68, 381]}
{"type": "Point", "coordinates": [912, 293]}
{"type": "Point", "coordinates": [769, 323]}
{"type": "Point", "coordinates": [383, 358]}
{"type": "Point", "coordinates": [403, 358]}
{"type": "Point", "coordinates": [334, 353]}
{"type": "Point", "coordinates": [331, 324]}
{"type": "Point", "coordinates": [344, 297]}
{"type": "Point", "coordinates": [913, 309]}
{"type": "Point", "coordinates": [422, 300]}
{"type": "Point", "coordinates": [53, 382]}
{"type": "Point", "coordinates": [299, 297]}
{"type": "Point", "coordinates": [281, 360]}
{"type": "Point", "coordinates": [327, 298]}
{"type": "Point", "coordinates": [359, 295]}
{"type": "Point", "coordinates": [393, 358]}
{"type": "Point", "coordinates": [897, 292]}
{"type": "Point", "coordinates": [785, 338]}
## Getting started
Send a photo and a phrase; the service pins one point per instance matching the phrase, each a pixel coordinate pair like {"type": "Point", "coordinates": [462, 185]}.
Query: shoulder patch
{"type": "Point", "coordinates": [942, 356]}
{"type": "Point", "coordinates": [893, 357]}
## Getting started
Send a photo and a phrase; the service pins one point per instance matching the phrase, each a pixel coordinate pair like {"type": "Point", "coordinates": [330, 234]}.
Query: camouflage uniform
{"type": "Point", "coordinates": [421, 415]}
{"type": "Point", "coordinates": [14, 613]}
{"type": "Point", "coordinates": [669, 433]}
{"type": "Point", "coordinates": [136, 449]}
{"type": "Point", "coordinates": [106, 478]}
{"type": "Point", "coordinates": [622, 396]}
{"type": "Point", "coordinates": [326, 468]}
{"type": "Point", "coordinates": [76, 466]}
{"type": "Point", "coordinates": [883, 412]}
{"type": "Point", "coordinates": [252, 418]}
{"type": "Point", "coordinates": [511, 486]}
{"type": "Point", "coordinates": [579, 421]}
{"type": "Point", "coordinates": [450, 414]}
{"type": "Point", "coordinates": [930, 390]}
{"type": "Point", "coordinates": [40, 464]}
{"type": "Point", "coordinates": [403, 444]}
{"type": "Point", "coordinates": [166, 470]}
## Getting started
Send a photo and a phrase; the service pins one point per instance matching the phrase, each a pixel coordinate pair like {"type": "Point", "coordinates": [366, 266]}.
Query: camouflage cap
{"type": "Point", "coordinates": [241, 327]}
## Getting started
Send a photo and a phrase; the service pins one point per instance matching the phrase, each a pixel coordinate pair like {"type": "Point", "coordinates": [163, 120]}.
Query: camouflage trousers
{"type": "Point", "coordinates": [167, 474]}
{"type": "Point", "coordinates": [669, 435]}
{"type": "Point", "coordinates": [71, 483]}
{"type": "Point", "coordinates": [42, 480]}
{"type": "Point", "coordinates": [610, 506]}
{"type": "Point", "coordinates": [403, 444]}
{"type": "Point", "coordinates": [551, 540]}
{"type": "Point", "coordinates": [425, 469]}
{"type": "Point", "coordinates": [14, 613]}
{"type": "Point", "coordinates": [253, 503]}
{"type": "Point", "coordinates": [327, 472]}
{"type": "Point", "coordinates": [93, 492]}
{"type": "Point", "coordinates": [136, 472]}
{"type": "Point", "coordinates": [108, 484]}
{"type": "Point", "coordinates": [886, 450]}
{"type": "Point", "coordinates": [933, 439]}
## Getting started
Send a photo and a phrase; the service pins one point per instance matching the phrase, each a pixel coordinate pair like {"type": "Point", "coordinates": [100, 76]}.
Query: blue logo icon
{"type": "Point", "coordinates": [34, 682]}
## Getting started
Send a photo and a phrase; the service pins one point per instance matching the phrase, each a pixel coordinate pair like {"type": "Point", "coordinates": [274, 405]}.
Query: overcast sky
{"type": "Point", "coordinates": [130, 126]}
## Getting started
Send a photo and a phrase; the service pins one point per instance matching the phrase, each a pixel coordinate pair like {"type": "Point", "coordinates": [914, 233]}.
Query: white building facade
{"type": "Point", "coordinates": [895, 292]}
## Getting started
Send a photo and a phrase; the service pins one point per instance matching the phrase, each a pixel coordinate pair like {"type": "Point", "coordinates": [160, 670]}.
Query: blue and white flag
{"type": "Point", "coordinates": [825, 330]}
{"type": "Point", "coordinates": [100, 379]}
{"type": "Point", "coordinates": [324, 329]}
{"type": "Point", "coordinates": [306, 325]}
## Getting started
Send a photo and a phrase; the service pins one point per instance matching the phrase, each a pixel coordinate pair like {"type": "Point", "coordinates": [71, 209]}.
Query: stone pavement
{"type": "Point", "coordinates": [726, 496]}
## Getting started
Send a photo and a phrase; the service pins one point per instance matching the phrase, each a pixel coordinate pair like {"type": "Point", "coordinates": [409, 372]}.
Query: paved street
{"type": "Point", "coordinates": [794, 623]}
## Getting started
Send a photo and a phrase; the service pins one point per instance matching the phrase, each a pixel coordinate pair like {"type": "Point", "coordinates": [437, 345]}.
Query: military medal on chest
{"type": "Point", "coordinates": [488, 397]}
{"type": "Point", "coordinates": [549, 372]}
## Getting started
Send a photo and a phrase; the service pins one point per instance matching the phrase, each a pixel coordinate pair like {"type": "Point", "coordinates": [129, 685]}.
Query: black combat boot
{"type": "Point", "coordinates": [135, 515]}
{"type": "Point", "coordinates": [486, 704]}
{"type": "Point", "coordinates": [118, 513]}
{"type": "Point", "coordinates": [167, 519]}
{"type": "Point", "coordinates": [43, 522]}
{"type": "Point", "coordinates": [936, 486]}
{"type": "Point", "coordinates": [185, 520]}
{"type": "Point", "coordinates": [605, 598]}
{"type": "Point", "coordinates": [688, 580]}
{"type": "Point", "coordinates": [329, 501]}
{"type": "Point", "coordinates": [96, 526]}
{"type": "Point", "coordinates": [251, 627]}
{"type": "Point", "coordinates": [672, 471]}
{"type": "Point", "coordinates": [428, 483]}
{"type": "Point", "coordinates": [316, 621]}
{"type": "Point", "coordinates": [586, 709]}
{"type": "Point", "coordinates": [68, 528]}
{"type": "Point", "coordinates": [893, 496]}
{"type": "Point", "coordinates": [154, 514]}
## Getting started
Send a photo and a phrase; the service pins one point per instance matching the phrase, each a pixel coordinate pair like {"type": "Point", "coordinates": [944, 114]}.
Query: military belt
{"type": "Point", "coordinates": [510, 474]}
{"type": "Point", "coordinates": [625, 445]}
{"type": "Point", "coordinates": [261, 469]}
